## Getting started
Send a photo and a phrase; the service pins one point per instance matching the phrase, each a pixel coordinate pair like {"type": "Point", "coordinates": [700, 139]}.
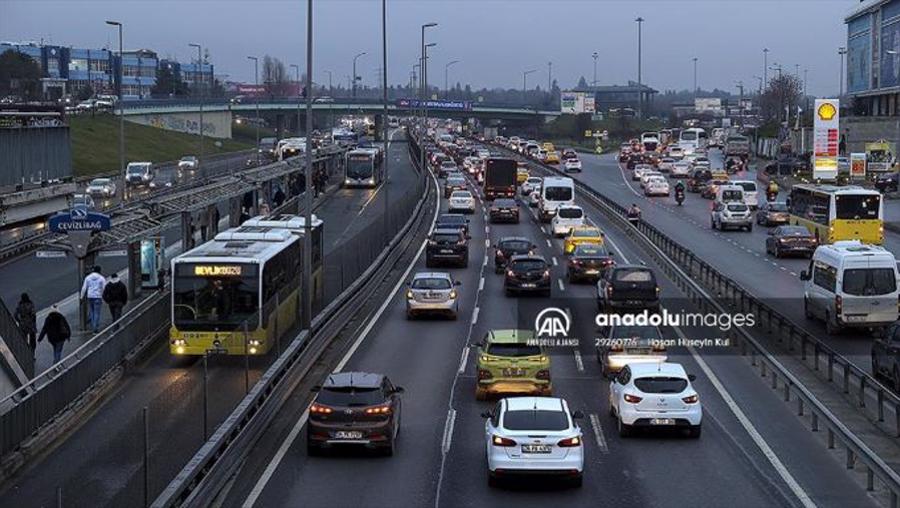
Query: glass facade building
{"type": "Point", "coordinates": [873, 58]}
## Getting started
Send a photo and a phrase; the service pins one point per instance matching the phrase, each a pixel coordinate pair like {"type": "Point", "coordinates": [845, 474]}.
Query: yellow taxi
{"type": "Point", "coordinates": [719, 174]}
{"type": "Point", "coordinates": [522, 173]}
{"type": "Point", "coordinates": [548, 146]}
{"type": "Point", "coordinates": [552, 157]}
{"type": "Point", "coordinates": [580, 235]}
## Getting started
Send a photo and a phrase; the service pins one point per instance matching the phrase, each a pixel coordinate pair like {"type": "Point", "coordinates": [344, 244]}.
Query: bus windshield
{"type": "Point", "coordinates": [211, 297]}
{"type": "Point", "coordinates": [359, 166]}
{"type": "Point", "coordinates": [689, 136]}
{"type": "Point", "coordinates": [857, 207]}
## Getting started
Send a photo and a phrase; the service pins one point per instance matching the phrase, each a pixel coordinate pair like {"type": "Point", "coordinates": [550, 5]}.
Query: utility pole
{"type": "Point", "coordinates": [424, 79]}
{"type": "Point", "coordinates": [595, 55]}
{"type": "Point", "coordinates": [740, 87]}
{"type": "Point", "coordinates": [446, 69]}
{"type": "Point", "coordinates": [306, 294]}
{"type": "Point", "coordinates": [640, 22]}
{"type": "Point", "coordinates": [760, 79]}
{"type": "Point", "coordinates": [199, 80]}
{"type": "Point", "coordinates": [842, 51]}
{"type": "Point", "coordinates": [384, 120]}
{"type": "Point", "coordinates": [695, 76]}
{"type": "Point", "coordinates": [524, 83]}
{"type": "Point", "coordinates": [355, 77]}
{"type": "Point", "coordinates": [549, 76]}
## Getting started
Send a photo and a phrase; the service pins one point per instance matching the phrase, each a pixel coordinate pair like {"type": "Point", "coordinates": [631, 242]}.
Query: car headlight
{"type": "Point", "coordinates": [409, 294]}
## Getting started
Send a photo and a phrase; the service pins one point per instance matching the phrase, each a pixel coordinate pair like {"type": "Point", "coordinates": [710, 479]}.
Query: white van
{"type": "Point", "coordinates": [851, 284]}
{"type": "Point", "coordinates": [556, 191]}
{"type": "Point", "coordinates": [751, 192]}
{"type": "Point", "coordinates": [566, 218]}
{"type": "Point", "coordinates": [730, 193]}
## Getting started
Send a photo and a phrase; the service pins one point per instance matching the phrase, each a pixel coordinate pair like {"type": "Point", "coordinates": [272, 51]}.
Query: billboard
{"type": "Point", "coordinates": [858, 165]}
{"type": "Point", "coordinates": [709, 105]}
{"type": "Point", "coordinates": [576, 102]}
{"type": "Point", "coordinates": [826, 118]}
{"type": "Point", "coordinates": [589, 104]}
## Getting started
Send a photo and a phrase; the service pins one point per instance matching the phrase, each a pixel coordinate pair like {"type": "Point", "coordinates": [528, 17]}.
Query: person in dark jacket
{"type": "Point", "coordinates": [57, 331]}
{"type": "Point", "coordinates": [115, 294]}
{"type": "Point", "coordinates": [26, 318]}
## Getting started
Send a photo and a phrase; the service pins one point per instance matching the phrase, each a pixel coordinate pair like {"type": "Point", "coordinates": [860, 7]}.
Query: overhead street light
{"type": "Point", "coordinates": [198, 79]}
{"type": "Point", "coordinates": [446, 68]}
{"type": "Point", "coordinates": [842, 51]}
{"type": "Point", "coordinates": [765, 66]}
{"type": "Point", "coordinates": [595, 55]}
{"type": "Point", "coordinates": [524, 81]}
{"type": "Point", "coordinates": [423, 79]}
{"type": "Point", "coordinates": [299, 95]}
{"type": "Point", "coordinates": [640, 22]}
{"type": "Point", "coordinates": [355, 77]}
{"type": "Point", "coordinates": [121, 111]}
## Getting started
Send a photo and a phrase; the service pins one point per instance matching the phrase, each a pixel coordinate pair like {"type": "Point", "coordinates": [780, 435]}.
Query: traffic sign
{"type": "Point", "coordinates": [49, 254]}
{"type": "Point", "coordinates": [112, 253]}
{"type": "Point", "coordinates": [79, 219]}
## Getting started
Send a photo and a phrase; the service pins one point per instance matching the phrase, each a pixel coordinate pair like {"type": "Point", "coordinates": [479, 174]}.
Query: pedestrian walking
{"type": "Point", "coordinates": [26, 318]}
{"type": "Point", "coordinates": [115, 294]}
{"type": "Point", "coordinates": [57, 331]}
{"type": "Point", "coordinates": [92, 289]}
{"type": "Point", "coordinates": [203, 222]}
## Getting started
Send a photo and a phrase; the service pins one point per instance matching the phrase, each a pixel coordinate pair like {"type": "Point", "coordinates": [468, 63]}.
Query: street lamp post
{"type": "Point", "coordinates": [842, 51]}
{"type": "Point", "coordinates": [640, 22]}
{"type": "Point", "coordinates": [695, 76]}
{"type": "Point", "coordinates": [760, 79]}
{"type": "Point", "coordinates": [256, 100]}
{"type": "Point", "coordinates": [446, 72]}
{"type": "Point", "coordinates": [384, 120]}
{"type": "Point", "coordinates": [355, 77]}
{"type": "Point", "coordinates": [524, 84]}
{"type": "Point", "coordinates": [595, 55]}
{"type": "Point", "coordinates": [765, 67]}
{"type": "Point", "coordinates": [198, 79]}
{"type": "Point", "coordinates": [299, 95]}
{"type": "Point", "coordinates": [424, 88]}
{"type": "Point", "coordinates": [307, 223]}
{"type": "Point", "coordinates": [121, 112]}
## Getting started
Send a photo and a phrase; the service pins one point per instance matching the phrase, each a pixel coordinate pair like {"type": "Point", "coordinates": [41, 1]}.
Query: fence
{"type": "Point", "coordinates": [34, 154]}
{"type": "Point", "coordinates": [15, 341]}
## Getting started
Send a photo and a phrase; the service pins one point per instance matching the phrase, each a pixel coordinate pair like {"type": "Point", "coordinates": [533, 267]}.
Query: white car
{"type": "Point", "coordinates": [462, 201]}
{"type": "Point", "coordinates": [531, 184]}
{"type": "Point", "coordinates": [665, 164]}
{"type": "Point", "coordinates": [188, 163]}
{"type": "Point", "coordinates": [639, 171]}
{"type": "Point", "coordinates": [572, 164]}
{"type": "Point", "coordinates": [647, 175]}
{"type": "Point", "coordinates": [656, 186]}
{"type": "Point", "coordinates": [432, 293]}
{"type": "Point", "coordinates": [680, 169]}
{"type": "Point", "coordinates": [103, 187]}
{"type": "Point", "coordinates": [533, 435]}
{"type": "Point", "coordinates": [655, 395]}
{"type": "Point", "coordinates": [83, 200]}
{"type": "Point", "coordinates": [734, 215]}
{"type": "Point", "coordinates": [566, 218]}
{"type": "Point", "coordinates": [676, 152]}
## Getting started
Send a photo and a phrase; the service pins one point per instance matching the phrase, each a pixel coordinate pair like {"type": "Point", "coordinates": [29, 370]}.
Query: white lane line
{"type": "Point", "coordinates": [793, 273]}
{"type": "Point", "coordinates": [485, 260]}
{"type": "Point", "coordinates": [549, 244]}
{"type": "Point", "coordinates": [598, 433]}
{"type": "Point", "coordinates": [579, 363]}
{"type": "Point", "coordinates": [745, 422]}
{"type": "Point", "coordinates": [295, 431]}
{"type": "Point", "coordinates": [783, 268]}
{"type": "Point", "coordinates": [555, 263]}
{"type": "Point", "coordinates": [487, 242]}
{"type": "Point", "coordinates": [481, 284]}
{"type": "Point", "coordinates": [463, 359]}
{"type": "Point", "coordinates": [559, 282]}
{"type": "Point", "coordinates": [475, 315]}
{"type": "Point", "coordinates": [487, 230]}
{"type": "Point", "coordinates": [448, 430]}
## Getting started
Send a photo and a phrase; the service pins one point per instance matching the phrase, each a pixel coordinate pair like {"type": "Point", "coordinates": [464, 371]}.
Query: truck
{"type": "Point", "coordinates": [500, 178]}
{"type": "Point", "coordinates": [737, 146]}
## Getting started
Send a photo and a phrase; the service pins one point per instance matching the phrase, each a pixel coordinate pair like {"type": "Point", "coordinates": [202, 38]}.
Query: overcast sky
{"type": "Point", "coordinates": [495, 40]}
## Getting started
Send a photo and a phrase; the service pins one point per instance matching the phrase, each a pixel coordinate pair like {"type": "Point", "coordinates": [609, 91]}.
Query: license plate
{"type": "Point", "coordinates": [854, 319]}
{"type": "Point", "coordinates": [446, 251]}
{"type": "Point", "coordinates": [592, 272]}
{"type": "Point", "coordinates": [662, 421]}
{"type": "Point", "coordinates": [536, 448]}
{"type": "Point", "coordinates": [513, 372]}
{"type": "Point", "coordinates": [633, 302]}
{"type": "Point", "coordinates": [348, 434]}
{"type": "Point", "coordinates": [529, 285]}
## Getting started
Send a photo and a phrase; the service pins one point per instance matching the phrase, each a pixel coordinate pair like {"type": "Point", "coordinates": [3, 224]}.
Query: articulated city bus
{"type": "Point", "coordinates": [838, 213]}
{"type": "Point", "coordinates": [364, 167]}
{"type": "Point", "coordinates": [236, 293]}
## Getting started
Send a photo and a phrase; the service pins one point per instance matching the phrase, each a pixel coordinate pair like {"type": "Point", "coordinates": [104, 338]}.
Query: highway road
{"type": "Point", "coordinates": [99, 464]}
{"type": "Point", "coordinates": [753, 452]}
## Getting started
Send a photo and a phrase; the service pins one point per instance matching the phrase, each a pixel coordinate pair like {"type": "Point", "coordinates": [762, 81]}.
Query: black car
{"type": "Point", "coordinates": [588, 261]}
{"type": "Point", "coordinates": [452, 221]}
{"type": "Point", "coordinates": [887, 182]}
{"type": "Point", "coordinates": [504, 210]}
{"type": "Point", "coordinates": [886, 355]}
{"type": "Point", "coordinates": [786, 240]}
{"type": "Point", "coordinates": [454, 183]}
{"type": "Point", "coordinates": [354, 409]}
{"type": "Point", "coordinates": [772, 213]}
{"type": "Point", "coordinates": [447, 246]}
{"type": "Point", "coordinates": [633, 160]}
{"type": "Point", "coordinates": [527, 273]}
{"type": "Point", "coordinates": [628, 287]}
{"type": "Point", "coordinates": [508, 247]}
{"type": "Point", "coordinates": [698, 179]}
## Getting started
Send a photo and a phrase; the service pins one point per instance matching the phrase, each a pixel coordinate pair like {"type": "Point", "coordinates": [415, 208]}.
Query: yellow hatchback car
{"type": "Point", "coordinates": [582, 234]}
{"type": "Point", "coordinates": [522, 174]}
{"type": "Point", "coordinates": [552, 157]}
{"type": "Point", "coordinates": [509, 364]}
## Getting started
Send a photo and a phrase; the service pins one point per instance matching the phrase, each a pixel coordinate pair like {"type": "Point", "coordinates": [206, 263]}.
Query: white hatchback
{"type": "Point", "coordinates": [656, 186]}
{"type": "Point", "coordinates": [462, 201]}
{"type": "Point", "coordinates": [573, 164]}
{"type": "Point", "coordinates": [655, 395]}
{"type": "Point", "coordinates": [533, 435]}
{"type": "Point", "coordinates": [566, 218]}
{"type": "Point", "coordinates": [531, 184]}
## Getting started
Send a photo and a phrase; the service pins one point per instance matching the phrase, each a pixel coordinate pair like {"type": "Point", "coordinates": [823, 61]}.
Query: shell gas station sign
{"type": "Point", "coordinates": [826, 135]}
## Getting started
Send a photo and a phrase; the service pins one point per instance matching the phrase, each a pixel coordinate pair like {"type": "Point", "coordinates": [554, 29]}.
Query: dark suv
{"type": "Point", "coordinates": [504, 210]}
{"type": "Point", "coordinates": [628, 287]}
{"type": "Point", "coordinates": [354, 408]}
{"type": "Point", "coordinates": [447, 245]}
{"type": "Point", "coordinates": [452, 221]}
{"type": "Point", "coordinates": [527, 273]}
{"type": "Point", "coordinates": [508, 247]}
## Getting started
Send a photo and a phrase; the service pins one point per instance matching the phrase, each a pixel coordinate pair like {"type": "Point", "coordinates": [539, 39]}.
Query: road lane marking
{"type": "Point", "coordinates": [487, 230]}
{"type": "Point", "coordinates": [549, 244]}
{"type": "Point", "coordinates": [487, 242]}
{"type": "Point", "coordinates": [448, 430]}
{"type": "Point", "coordinates": [481, 284]}
{"type": "Point", "coordinates": [559, 282]}
{"type": "Point", "coordinates": [485, 260]}
{"type": "Point", "coordinates": [598, 433]}
{"type": "Point", "coordinates": [463, 359]}
{"type": "Point", "coordinates": [554, 261]}
{"type": "Point", "coordinates": [579, 363]}
{"type": "Point", "coordinates": [272, 466]}
{"type": "Point", "coordinates": [748, 426]}
{"type": "Point", "coordinates": [475, 315]}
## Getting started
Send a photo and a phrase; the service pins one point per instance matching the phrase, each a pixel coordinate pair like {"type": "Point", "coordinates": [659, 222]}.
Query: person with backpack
{"type": "Point", "coordinates": [26, 318]}
{"type": "Point", "coordinates": [57, 331]}
{"type": "Point", "coordinates": [115, 294]}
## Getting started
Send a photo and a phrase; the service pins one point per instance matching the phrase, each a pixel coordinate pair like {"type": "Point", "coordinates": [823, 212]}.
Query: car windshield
{"type": "Point", "coordinates": [504, 203]}
{"type": "Point", "coordinates": [634, 275]}
{"type": "Point", "coordinates": [793, 231]}
{"type": "Point", "coordinates": [513, 349]}
{"type": "Point", "coordinates": [778, 207]}
{"type": "Point", "coordinates": [535, 419]}
{"type": "Point", "coordinates": [350, 396]}
{"type": "Point", "coordinates": [590, 250]}
{"type": "Point", "coordinates": [445, 238]}
{"type": "Point", "coordinates": [570, 213]}
{"type": "Point", "coordinates": [138, 169]}
{"type": "Point", "coordinates": [461, 194]}
{"type": "Point", "coordinates": [869, 281]}
{"type": "Point", "coordinates": [516, 245]}
{"type": "Point", "coordinates": [737, 207]}
{"type": "Point", "coordinates": [858, 207]}
{"type": "Point", "coordinates": [528, 264]}
{"type": "Point", "coordinates": [431, 283]}
{"type": "Point", "coordinates": [100, 182]}
{"type": "Point", "coordinates": [451, 219]}
{"type": "Point", "coordinates": [456, 181]}
{"type": "Point", "coordinates": [558, 193]}
{"type": "Point", "coordinates": [448, 164]}
{"type": "Point", "coordinates": [661, 384]}
{"type": "Point", "coordinates": [586, 233]}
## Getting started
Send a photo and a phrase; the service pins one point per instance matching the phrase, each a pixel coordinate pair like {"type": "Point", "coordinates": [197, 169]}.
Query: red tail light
{"type": "Point", "coordinates": [693, 399]}
{"type": "Point", "coordinates": [502, 441]}
{"type": "Point", "coordinates": [320, 409]}
{"type": "Point", "coordinates": [570, 442]}
{"type": "Point", "coordinates": [379, 410]}
{"type": "Point", "coordinates": [838, 305]}
{"type": "Point", "coordinates": [484, 374]}
{"type": "Point", "coordinates": [633, 399]}
{"type": "Point", "coordinates": [543, 374]}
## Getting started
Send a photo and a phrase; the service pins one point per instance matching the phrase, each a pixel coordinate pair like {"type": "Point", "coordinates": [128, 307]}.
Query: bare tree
{"type": "Point", "coordinates": [274, 76]}
{"type": "Point", "coordinates": [782, 92]}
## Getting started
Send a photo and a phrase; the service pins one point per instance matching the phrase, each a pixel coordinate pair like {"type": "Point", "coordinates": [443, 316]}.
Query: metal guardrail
{"type": "Point", "coordinates": [16, 342]}
{"type": "Point", "coordinates": [26, 410]}
{"type": "Point", "coordinates": [690, 272]}
{"type": "Point", "coordinates": [210, 468]}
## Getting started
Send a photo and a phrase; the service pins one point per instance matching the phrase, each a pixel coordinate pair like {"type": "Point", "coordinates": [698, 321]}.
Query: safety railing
{"type": "Point", "coordinates": [15, 341]}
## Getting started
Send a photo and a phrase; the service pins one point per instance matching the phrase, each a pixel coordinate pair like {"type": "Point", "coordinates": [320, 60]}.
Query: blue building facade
{"type": "Point", "coordinates": [873, 58]}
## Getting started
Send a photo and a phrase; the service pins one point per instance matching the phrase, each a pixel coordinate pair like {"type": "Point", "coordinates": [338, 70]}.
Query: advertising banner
{"type": "Point", "coordinates": [826, 118]}
{"type": "Point", "coordinates": [879, 156]}
{"type": "Point", "coordinates": [858, 165]}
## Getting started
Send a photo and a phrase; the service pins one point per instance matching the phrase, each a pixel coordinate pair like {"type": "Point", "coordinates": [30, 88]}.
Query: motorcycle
{"type": "Point", "coordinates": [634, 217]}
{"type": "Point", "coordinates": [679, 197]}
{"type": "Point", "coordinates": [771, 196]}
